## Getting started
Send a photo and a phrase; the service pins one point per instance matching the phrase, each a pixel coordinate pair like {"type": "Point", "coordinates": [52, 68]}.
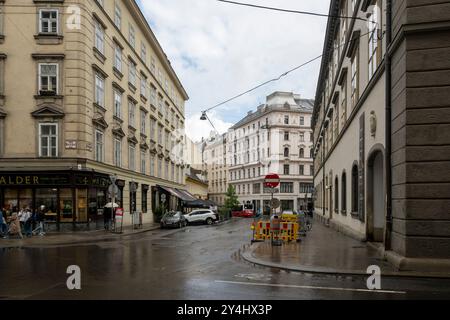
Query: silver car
{"type": "Point", "coordinates": [173, 219]}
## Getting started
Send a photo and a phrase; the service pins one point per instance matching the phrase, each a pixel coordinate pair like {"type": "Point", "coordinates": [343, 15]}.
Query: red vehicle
{"type": "Point", "coordinates": [244, 211]}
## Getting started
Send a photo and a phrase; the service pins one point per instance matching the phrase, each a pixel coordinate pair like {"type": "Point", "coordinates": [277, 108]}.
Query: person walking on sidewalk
{"type": "Point", "coordinates": [39, 217]}
{"type": "Point", "coordinates": [27, 222]}
{"type": "Point", "coordinates": [3, 225]}
{"type": "Point", "coordinates": [21, 217]}
{"type": "Point", "coordinates": [14, 226]}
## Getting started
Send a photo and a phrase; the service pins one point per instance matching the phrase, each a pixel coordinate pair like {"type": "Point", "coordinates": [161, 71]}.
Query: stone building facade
{"type": "Point", "coordinates": [381, 128]}
{"type": "Point", "coordinates": [86, 92]}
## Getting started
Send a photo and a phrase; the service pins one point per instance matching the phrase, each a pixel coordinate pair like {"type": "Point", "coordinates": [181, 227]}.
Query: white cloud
{"type": "Point", "coordinates": [219, 50]}
{"type": "Point", "coordinates": [197, 129]}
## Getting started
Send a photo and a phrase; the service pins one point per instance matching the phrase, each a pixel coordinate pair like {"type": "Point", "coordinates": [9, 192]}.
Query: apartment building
{"type": "Point", "coordinates": [380, 134]}
{"type": "Point", "coordinates": [276, 138]}
{"type": "Point", "coordinates": [87, 93]}
{"type": "Point", "coordinates": [215, 166]}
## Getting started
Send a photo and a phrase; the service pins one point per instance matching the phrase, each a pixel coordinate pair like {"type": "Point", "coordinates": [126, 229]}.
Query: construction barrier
{"type": "Point", "coordinates": [288, 231]}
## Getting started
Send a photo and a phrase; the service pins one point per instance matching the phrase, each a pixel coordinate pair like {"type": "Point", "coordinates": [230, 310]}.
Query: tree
{"type": "Point", "coordinates": [231, 200]}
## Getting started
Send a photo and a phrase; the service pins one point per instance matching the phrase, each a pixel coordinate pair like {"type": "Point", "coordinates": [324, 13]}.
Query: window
{"type": "Point", "coordinates": [160, 135]}
{"type": "Point", "coordinates": [48, 21]}
{"type": "Point", "coordinates": [344, 103]}
{"type": "Point", "coordinates": [286, 168]}
{"type": "Point", "coordinates": [143, 122]}
{"type": "Point", "coordinates": [144, 200]}
{"type": "Point", "coordinates": [373, 41]}
{"type": "Point", "coordinates": [118, 16]}
{"type": "Point", "coordinates": [132, 36]}
{"type": "Point", "coordinates": [131, 114]}
{"type": "Point", "coordinates": [153, 65]}
{"type": "Point", "coordinates": [286, 119]}
{"type": "Point", "coordinates": [306, 187]}
{"type": "Point", "coordinates": [355, 191]}
{"type": "Point", "coordinates": [144, 53]}
{"type": "Point", "coordinates": [132, 157]}
{"type": "Point", "coordinates": [143, 86]}
{"type": "Point", "coordinates": [143, 163]}
{"type": "Point", "coordinates": [117, 104]}
{"type": "Point", "coordinates": [48, 77]}
{"type": "Point", "coordinates": [152, 165]}
{"type": "Point", "coordinates": [152, 129]}
{"type": "Point", "coordinates": [355, 78]}
{"type": "Point", "coordinates": [159, 167]}
{"type": "Point", "coordinates": [117, 152]}
{"type": "Point", "coordinates": [286, 136]}
{"type": "Point", "coordinates": [311, 170]}
{"type": "Point", "coordinates": [286, 152]}
{"type": "Point", "coordinates": [118, 58]}
{"type": "Point", "coordinates": [99, 90]}
{"type": "Point", "coordinates": [336, 194]}
{"type": "Point", "coordinates": [301, 170]}
{"type": "Point", "coordinates": [286, 187]}
{"type": "Point", "coordinates": [99, 146]}
{"type": "Point", "coordinates": [302, 153]}
{"type": "Point", "coordinates": [99, 37]}
{"type": "Point", "coordinates": [311, 153]}
{"type": "Point", "coordinates": [302, 121]}
{"type": "Point", "coordinates": [302, 137]}
{"type": "Point", "coordinates": [132, 73]}
{"type": "Point", "coordinates": [48, 140]}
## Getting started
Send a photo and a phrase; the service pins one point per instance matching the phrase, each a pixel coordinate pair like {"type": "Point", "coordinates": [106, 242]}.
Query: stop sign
{"type": "Point", "coordinates": [272, 180]}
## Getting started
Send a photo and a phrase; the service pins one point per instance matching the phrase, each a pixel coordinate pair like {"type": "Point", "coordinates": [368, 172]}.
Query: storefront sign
{"type": "Point", "coordinates": [19, 180]}
{"type": "Point", "coordinates": [51, 179]}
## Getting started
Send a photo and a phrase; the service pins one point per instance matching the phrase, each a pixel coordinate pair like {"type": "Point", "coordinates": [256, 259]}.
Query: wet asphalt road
{"type": "Point", "coordinates": [198, 262]}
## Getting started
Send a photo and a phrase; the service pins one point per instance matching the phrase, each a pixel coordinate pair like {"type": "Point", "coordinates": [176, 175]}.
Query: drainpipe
{"type": "Point", "coordinates": [388, 236]}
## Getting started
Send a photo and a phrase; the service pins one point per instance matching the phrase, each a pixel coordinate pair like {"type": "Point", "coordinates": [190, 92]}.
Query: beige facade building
{"type": "Point", "coordinates": [86, 92]}
{"type": "Point", "coordinates": [276, 138]}
{"type": "Point", "coordinates": [215, 166]}
{"type": "Point", "coordinates": [380, 132]}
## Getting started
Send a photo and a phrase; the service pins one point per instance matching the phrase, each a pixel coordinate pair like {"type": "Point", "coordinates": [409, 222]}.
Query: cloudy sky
{"type": "Point", "coordinates": [219, 50]}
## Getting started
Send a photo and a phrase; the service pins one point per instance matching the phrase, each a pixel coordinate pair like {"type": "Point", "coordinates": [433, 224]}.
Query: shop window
{"type": "Point", "coordinates": [48, 198]}
{"type": "Point", "coordinates": [82, 208]}
{"type": "Point", "coordinates": [66, 205]}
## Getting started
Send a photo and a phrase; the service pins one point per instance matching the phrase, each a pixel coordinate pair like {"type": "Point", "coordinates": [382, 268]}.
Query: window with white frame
{"type": "Point", "coordinates": [99, 37]}
{"type": "Point", "coordinates": [99, 90]}
{"type": "Point", "coordinates": [373, 41]}
{"type": "Point", "coordinates": [99, 146]}
{"type": "Point", "coordinates": [355, 78]}
{"type": "Point", "coordinates": [144, 52]}
{"type": "Point", "coordinates": [118, 57]}
{"type": "Point", "coordinates": [48, 140]}
{"type": "Point", "coordinates": [143, 86]}
{"type": "Point", "coordinates": [117, 152]}
{"type": "Point", "coordinates": [153, 65]}
{"type": "Point", "coordinates": [152, 128]}
{"type": "Point", "coordinates": [118, 16]}
{"type": "Point", "coordinates": [143, 163]}
{"type": "Point", "coordinates": [132, 36]}
{"type": "Point", "coordinates": [118, 104]}
{"type": "Point", "coordinates": [143, 122]}
{"type": "Point", "coordinates": [132, 73]}
{"type": "Point", "coordinates": [153, 95]}
{"type": "Point", "coordinates": [152, 165]}
{"type": "Point", "coordinates": [48, 21]}
{"type": "Point", "coordinates": [48, 77]}
{"type": "Point", "coordinates": [132, 113]}
{"type": "Point", "coordinates": [131, 157]}
{"type": "Point", "coordinates": [159, 173]}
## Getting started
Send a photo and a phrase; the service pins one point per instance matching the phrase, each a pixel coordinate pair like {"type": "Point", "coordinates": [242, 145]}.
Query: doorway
{"type": "Point", "coordinates": [376, 197]}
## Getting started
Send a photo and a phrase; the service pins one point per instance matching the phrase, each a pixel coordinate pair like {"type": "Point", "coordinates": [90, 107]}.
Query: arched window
{"type": "Point", "coordinates": [355, 191]}
{"type": "Point", "coordinates": [302, 153]}
{"type": "Point", "coordinates": [286, 152]}
{"type": "Point", "coordinates": [336, 194]}
{"type": "Point", "coordinates": [344, 192]}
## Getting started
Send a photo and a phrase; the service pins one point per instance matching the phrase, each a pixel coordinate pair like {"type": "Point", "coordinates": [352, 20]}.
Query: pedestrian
{"type": "Point", "coordinates": [39, 217]}
{"type": "Point", "coordinates": [27, 222]}
{"type": "Point", "coordinates": [107, 213]}
{"type": "Point", "coordinates": [21, 215]}
{"type": "Point", "coordinates": [3, 225]}
{"type": "Point", "coordinates": [14, 226]}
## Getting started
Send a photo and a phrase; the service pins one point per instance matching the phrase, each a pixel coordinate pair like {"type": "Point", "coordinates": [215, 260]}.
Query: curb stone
{"type": "Point", "coordinates": [247, 253]}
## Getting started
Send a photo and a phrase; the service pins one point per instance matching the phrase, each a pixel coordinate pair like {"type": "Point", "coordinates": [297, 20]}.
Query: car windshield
{"type": "Point", "coordinates": [172, 214]}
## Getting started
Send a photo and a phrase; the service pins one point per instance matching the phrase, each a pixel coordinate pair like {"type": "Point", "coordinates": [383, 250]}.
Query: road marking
{"type": "Point", "coordinates": [309, 287]}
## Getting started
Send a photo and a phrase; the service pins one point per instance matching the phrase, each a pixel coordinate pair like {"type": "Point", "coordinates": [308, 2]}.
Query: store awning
{"type": "Point", "coordinates": [170, 190]}
{"type": "Point", "coordinates": [185, 195]}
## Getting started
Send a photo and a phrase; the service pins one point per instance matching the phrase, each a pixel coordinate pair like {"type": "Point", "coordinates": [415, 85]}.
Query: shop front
{"type": "Point", "coordinates": [72, 200]}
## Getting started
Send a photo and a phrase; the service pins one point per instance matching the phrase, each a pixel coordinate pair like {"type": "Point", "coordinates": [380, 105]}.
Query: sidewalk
{"type": "Point", "coordinates": [69, 238]}
{"type": "Point", "coordinates": [327, 251]}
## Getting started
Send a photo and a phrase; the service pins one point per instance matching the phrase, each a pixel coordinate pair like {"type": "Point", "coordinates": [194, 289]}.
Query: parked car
{"type": "Point", "coordinates": [174, 219]}
{"type": "Point", "coordinates": [202, 216]}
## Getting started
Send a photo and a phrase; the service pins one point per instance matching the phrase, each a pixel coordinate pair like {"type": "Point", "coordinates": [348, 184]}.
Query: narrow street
{"type": "Point", "coordinates": [198, 262]}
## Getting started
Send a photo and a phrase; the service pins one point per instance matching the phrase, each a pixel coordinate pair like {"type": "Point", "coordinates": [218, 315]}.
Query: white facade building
{"type": "Point", "coordinates": [277, 138]}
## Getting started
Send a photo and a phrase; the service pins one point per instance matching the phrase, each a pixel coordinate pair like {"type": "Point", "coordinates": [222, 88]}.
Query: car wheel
{"type": "Point", "coordinates": [209, 221]}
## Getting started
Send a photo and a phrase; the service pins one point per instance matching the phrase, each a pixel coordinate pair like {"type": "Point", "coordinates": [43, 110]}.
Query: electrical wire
{"type": "Point", "coordinates": [289, 11]}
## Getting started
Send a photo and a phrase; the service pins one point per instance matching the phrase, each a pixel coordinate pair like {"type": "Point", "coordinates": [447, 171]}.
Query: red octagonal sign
{"type": "Point", "coordinates": [272, 180]}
